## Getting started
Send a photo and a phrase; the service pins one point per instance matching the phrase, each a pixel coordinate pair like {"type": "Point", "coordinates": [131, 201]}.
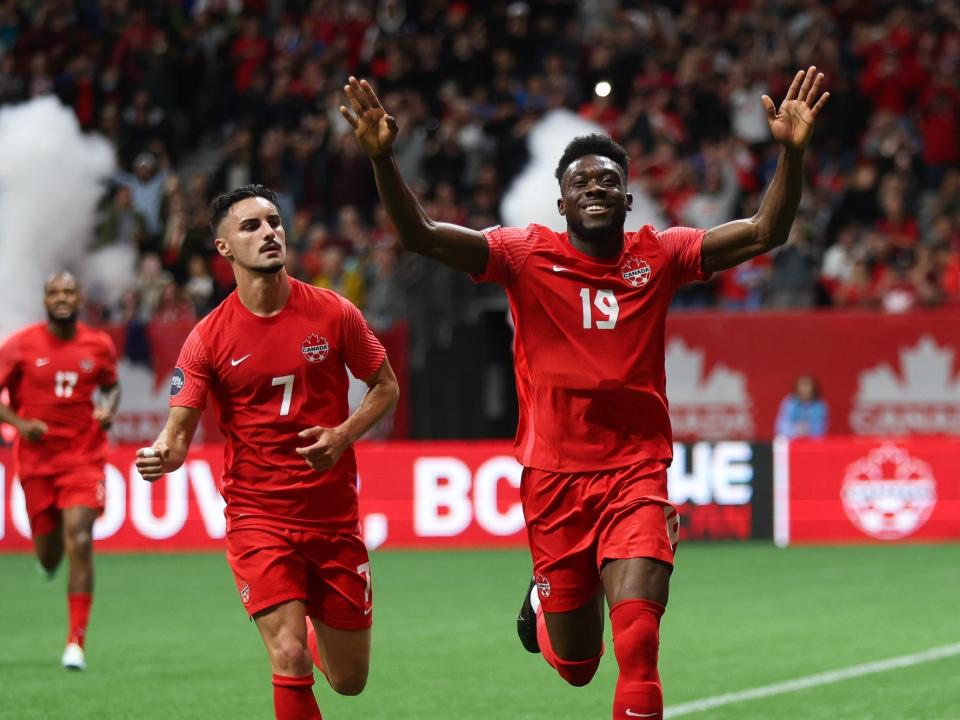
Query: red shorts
{"type": "Point", "coordinates": [47, 495]}
{"type": "Point", "coordinates": [330, 572]}
{"type": "Point", "coordinates": [576, 521]}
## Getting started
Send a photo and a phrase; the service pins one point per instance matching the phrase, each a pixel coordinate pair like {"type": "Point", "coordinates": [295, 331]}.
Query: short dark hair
{"type": "Point", "coordinates": [595, 144]}
{"type": "Point", "coordinates": [222, 203]}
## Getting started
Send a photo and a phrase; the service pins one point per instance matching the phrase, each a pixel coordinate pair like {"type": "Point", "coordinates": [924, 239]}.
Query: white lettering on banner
{"type": "Point", "coordinates": [430, 496]}
{"type": "Point", "coordinates": [719, 472]}
{"type": "Point", "coordinates": [115, 509]}
{"type": "Point", "coordinates": [485, 494]}
{"type": "Point", "coordinates": [209, 500]}
{"type": "Point", "coordinates": [141, 505]}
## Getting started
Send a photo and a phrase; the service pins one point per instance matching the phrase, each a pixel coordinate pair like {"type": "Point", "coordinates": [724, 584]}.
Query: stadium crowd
{"type": "Point", "coordinates": [199, 96]}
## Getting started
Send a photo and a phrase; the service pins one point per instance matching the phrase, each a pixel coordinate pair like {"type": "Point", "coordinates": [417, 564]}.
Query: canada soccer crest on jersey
{"type": "Point", "coordinates": [889, 494]}
{"type": "Point", "coordinates": [315, 348]}
{"type": "Point", "coordinates": [635, 271]}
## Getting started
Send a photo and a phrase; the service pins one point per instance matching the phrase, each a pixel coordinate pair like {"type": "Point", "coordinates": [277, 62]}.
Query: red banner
{"type": "Point", "coordinates": [412, 495]}
{"type": "Point", "coordinates": [879, 374]}
{"type": "Point", "coordinates": [843, 490]}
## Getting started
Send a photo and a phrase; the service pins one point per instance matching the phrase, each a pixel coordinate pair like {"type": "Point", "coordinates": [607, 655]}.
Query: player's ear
{"type": "Point", "coordinates": [223, 248]}
{"type": "Point", "coordinates": [561, 208]}
{"type": "Point", "coordinates": [629, 202]}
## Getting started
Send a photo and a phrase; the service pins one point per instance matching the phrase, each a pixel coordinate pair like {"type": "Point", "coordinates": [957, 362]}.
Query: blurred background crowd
{"type": "Point", "coordinates": [199, 96]}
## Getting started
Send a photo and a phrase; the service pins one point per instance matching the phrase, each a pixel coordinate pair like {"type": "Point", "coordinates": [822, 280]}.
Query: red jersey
{"type": "Point", "coordinates": [589, 345]}
{"type": "Point", "coordinates": [270, 379]}
{"type": "Point", "coordinates": [53, 380]}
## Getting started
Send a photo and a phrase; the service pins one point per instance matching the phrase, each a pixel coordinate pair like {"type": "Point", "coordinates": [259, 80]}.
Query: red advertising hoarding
{"type": "Point", "coordinates": [852, 490]}
{"type": "Point", "coordinates": [880, 374]}
{"type": "Point", "coordinates": [412, 495]}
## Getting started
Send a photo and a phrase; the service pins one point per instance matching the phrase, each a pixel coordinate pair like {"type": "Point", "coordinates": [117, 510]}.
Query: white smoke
{"type": "Point", "coordinates": [50, 182]}
{"type": "Point", "coordinates": [533, 194]}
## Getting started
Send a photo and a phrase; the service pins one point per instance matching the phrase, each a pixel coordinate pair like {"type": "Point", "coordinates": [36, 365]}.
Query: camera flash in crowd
{"type": "Point", "coordinates": [602, 88]}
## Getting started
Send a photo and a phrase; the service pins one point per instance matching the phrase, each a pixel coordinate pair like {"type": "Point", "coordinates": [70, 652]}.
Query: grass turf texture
{"type": "Point", "coordinates": [169, 639]}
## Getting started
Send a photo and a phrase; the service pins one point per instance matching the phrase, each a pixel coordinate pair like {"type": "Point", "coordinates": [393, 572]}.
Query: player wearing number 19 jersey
{"type": "Point", "coordinates": [589, 306]}
{"type": "Point", "coordinates": [274, 358]}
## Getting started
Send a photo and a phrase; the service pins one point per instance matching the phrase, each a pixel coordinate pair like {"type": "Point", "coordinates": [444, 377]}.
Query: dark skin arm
{"type": "Point", "coordinates": [107, 407]}
{"type": "Point", "coordinates": [31, 430]}
{"type": "Point", "coordinates": [791, 125]}
{"type": "Point", "coordinates": [458, 247]}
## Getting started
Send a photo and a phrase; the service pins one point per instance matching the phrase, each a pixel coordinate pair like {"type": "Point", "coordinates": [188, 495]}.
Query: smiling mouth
{"type": "Point", "coordinates": [596, 209]}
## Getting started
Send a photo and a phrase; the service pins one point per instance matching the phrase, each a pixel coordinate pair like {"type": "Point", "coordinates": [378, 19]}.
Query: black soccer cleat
{"type": "Point", "coordinates": [527, 623]}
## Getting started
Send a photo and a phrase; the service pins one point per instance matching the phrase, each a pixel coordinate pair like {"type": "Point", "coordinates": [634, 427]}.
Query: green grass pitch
{"type": "Point", "coordinates": [169, 639]}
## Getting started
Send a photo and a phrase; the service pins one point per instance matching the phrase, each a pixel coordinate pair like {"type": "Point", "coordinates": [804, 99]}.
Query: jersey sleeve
{"type": "Point", "coordinates": [683, 246]}
{"type": "Point", "coordinates": [509, 248]}
{"type": "Point", "coordinates": [9, 359]}
{"type": "Point", "coordinates": [362, 352]}
{"type": "Point", "coordinates": [191, 376]}
{"type": "Point", "coordinates": [107, 374]}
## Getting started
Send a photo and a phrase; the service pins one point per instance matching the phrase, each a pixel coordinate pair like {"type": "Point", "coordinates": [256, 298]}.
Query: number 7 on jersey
{"type": "Point", "coordinates": [287, 382]}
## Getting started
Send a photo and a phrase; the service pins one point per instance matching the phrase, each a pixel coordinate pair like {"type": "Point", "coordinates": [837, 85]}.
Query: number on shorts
{"type": "Point", "coordinates": [364, 570]}
{"type": "Point", "coordinates": [287, 382]}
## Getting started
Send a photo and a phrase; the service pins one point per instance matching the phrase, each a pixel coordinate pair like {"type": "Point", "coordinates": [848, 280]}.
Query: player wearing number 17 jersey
{"type": "Point", "coordinates": [274, 357]}
{"type": "Point", "coordinates": [589, 306]}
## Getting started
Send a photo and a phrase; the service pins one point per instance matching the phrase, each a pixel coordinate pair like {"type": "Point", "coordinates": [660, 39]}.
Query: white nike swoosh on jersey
{"type": "Point", "coordinates": [240, 360]}
{"type": "Point", "coordinates": [631, 713]}
{"type": "Point", "coordinates": [43, 361]}
{"type": "Point", "coordinates": [560, 268]}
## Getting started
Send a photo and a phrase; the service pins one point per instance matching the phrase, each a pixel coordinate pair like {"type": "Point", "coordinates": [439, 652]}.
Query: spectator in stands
{"type": "Point", "coordinates": [146, 185]}
{"type": "Point", "coordinates": [802, 413]}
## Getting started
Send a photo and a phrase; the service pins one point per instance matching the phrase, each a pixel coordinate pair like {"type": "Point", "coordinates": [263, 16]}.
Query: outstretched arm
{"type": "Point", "coordinates": [459, 247]}
{"type": "Point", "coordinates": [170, 448]}
{"type": "Point", "coordinates": [792, 126]}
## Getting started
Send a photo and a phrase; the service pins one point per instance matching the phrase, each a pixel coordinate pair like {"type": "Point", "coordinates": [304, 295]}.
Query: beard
{"type": "Point", "coordinates": [62, 321]}
{"type": "Point", "coordinates": [271, 269]}
{"type": "Point", "coordinates": [600, 232]}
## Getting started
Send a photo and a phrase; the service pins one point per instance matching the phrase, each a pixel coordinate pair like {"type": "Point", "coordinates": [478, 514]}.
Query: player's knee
{"type": "Point", "coordinates": [291, 657]}
{"type": "Point", "coordinates": [578, 672]}
{"type": "Point", "coordinates": [81, 543]}
{"type": "Point", "coordinates": [350, 680]}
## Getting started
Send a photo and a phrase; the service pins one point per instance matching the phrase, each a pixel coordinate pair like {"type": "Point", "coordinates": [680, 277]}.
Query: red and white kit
{"type": "Point", "coordinates": [54, 380]}
{"type": "Point", "coordinates": [594, 431]}
{"type": "Point", "coordinates": [292, 532]}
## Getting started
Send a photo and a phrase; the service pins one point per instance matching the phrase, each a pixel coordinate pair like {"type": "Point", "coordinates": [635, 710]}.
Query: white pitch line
{"type": "Point", "coordinates": [802, 683]}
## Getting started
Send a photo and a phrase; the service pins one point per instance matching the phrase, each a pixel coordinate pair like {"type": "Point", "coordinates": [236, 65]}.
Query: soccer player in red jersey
{"type": "Point", "coordinates": [275, 355]}
{"type": "Point", "coordinates": [589, 306]}
{"type": "Point", "coordinates": [52, 371]}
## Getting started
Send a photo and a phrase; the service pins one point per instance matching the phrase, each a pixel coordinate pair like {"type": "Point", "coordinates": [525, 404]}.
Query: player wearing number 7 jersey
{"type": "Point", "coordinates": [589, 306]}
{"type": "Point", "coordinates": [274, 356]}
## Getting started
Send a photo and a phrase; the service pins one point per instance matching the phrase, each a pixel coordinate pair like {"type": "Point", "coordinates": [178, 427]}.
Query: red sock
{"type": "Point", "coordinates": [636, 642]}
{"type": "Point", "coordinates": [79, 606]}
{"type": "Point", "coordinates": [293, 698]}
{"type": "Point", "coordinates": [575, 672]}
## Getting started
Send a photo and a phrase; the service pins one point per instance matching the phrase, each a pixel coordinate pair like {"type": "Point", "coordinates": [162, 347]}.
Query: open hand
{"type": "Point", "coordinates": [150, 461]}
{"type": "Point", "coordinates": [375, 130]}
{"type": "Point", "coordinates": [328, 446]}
{"type": "Point", "coordinates": [792, 124]}
{"type": "Point", "coordinates": [32, 430]}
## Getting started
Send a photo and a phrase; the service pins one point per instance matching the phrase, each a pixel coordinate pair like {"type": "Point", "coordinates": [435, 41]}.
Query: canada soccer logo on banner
{"type": "Point", "coordinates": [315, 348]}
{"type": "Point", "coordinates": [889, 494]}
{"type": "Point", "coordinates": [635, 271]}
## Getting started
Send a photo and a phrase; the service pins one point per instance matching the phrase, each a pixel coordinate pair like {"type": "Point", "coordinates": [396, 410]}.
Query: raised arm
{"type": "Point", "coordinates": [459, 247]}
{"type": "Point", "coordinates": [170, 448]}
{"type": "Point", "coordinates": [792, 126]}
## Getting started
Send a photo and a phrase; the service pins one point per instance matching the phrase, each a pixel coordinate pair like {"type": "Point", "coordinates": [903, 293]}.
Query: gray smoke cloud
{"type": "Point", "coordinates": [50, 182]}
{"type": "Point", "coordinates": [532, 196]}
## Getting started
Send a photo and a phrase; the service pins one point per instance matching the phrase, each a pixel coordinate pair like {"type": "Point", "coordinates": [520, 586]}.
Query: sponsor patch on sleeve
{"type": "Point", "coordinates": [176, 383]}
